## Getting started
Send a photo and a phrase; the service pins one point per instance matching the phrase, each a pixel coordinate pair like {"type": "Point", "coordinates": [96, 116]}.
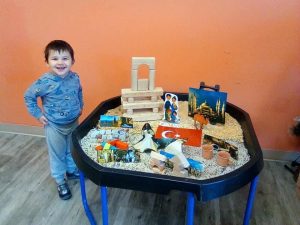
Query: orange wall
{"type": "Point", "coordinates": [251, 48]}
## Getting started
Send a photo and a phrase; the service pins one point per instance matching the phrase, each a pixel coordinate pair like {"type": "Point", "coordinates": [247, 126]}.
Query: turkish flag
{"type": "Point", "coordinates": [192, 136]}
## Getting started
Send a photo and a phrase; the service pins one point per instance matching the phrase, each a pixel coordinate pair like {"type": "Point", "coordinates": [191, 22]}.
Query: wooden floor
{"type": "Point", "coordinates": [28, 196]}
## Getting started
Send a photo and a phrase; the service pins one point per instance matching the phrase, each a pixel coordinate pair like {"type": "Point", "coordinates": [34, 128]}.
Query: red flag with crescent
{"type": "Point", "coordinates": [192, 136]}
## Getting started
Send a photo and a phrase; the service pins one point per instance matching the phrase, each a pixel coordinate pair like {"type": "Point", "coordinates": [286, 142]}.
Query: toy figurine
{"type": "Point", "coordinates": [171, 108]}
{"type": "Point", "coordinates": [201, 119]}
{"type": "Point", "coordinates": [146, 143]}
{"type": "Point", "coordinates": [147, 127]}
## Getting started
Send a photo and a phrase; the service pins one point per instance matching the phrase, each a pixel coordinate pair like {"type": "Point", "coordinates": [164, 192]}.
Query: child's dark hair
{"type": "Point", "coordinates": [59, 45]}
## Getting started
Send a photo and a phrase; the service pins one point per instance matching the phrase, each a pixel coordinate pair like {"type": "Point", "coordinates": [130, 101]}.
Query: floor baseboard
{"type": "Point", "coordinates": [22, 129]}
{"type": "Point", "coordinates": [279, 155]}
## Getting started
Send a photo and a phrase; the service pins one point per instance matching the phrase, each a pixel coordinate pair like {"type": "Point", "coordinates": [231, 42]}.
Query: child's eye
{"type": "Point", "coordinates": [65, 58]}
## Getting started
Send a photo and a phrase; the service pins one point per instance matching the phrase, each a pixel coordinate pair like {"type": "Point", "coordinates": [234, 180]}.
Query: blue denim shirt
{"type": "Point", "coordinates": [61, 98]}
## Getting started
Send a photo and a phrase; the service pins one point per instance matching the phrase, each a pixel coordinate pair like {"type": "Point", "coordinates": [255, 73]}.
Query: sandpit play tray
{"type": "Point", "coordinates": [203, 190]}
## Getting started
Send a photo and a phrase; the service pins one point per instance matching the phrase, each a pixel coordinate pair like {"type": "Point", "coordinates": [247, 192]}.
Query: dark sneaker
{"type": "Point", "coordinates": [64, 191]}
{"type": "Point", "coordinates": [73, 176]}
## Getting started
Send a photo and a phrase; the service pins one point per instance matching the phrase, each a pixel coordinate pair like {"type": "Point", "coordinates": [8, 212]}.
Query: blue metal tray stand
{"type": "Point", "coordinates": [190, 203]}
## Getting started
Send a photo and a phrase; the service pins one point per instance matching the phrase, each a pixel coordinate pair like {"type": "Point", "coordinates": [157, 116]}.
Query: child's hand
{"type": "Point", "coordinates": [43, 120]}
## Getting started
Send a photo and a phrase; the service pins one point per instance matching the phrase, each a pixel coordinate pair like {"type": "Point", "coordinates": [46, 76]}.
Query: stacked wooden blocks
{"type": "Point", "coordinates": [142, 101]}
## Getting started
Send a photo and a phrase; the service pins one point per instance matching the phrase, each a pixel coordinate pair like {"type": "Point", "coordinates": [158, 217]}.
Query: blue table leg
{"type": "Point", "coordinates": [104, 205]}
{"type": "Point", "coordinates": [190, 209]}
{"type": "Point", "coordinates": [250, 201]}
{"type": "Point", "coordinates": [84, 200]}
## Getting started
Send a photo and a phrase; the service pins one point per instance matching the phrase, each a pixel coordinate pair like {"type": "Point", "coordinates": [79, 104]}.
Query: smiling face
{"type": "Point", "coordinates": [59, 62]}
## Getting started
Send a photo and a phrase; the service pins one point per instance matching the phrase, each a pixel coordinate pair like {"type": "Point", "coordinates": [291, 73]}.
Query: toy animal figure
{"type": "Point", "coordinates": [202, 120]}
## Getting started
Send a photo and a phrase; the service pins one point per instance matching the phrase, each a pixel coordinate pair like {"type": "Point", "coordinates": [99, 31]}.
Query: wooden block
{"type": "Point", "coordinates": [155, 110]}
{"type": "Point", "coordinates": [140, 100]}
{"type": "Point", "coordinates": [130, 99]}
{"type": "Point", "coordinates": [143, 85]}
{"type": "Point", "coordinates": [142, 105]}
{"type": "Point", "coordinates": [153, 98]}
{"type": "Point", "coordinates": [137, 61]}
{"type": "Point", "coordinates": [151, 79]}
{"type": "Point", "coordinates": [158, 156]}
{"type": "Point", "coordinates": [158, 171]}
{"type": "Point", "coordinates": [144, 115]}
{"type": "Point", "coordinates": [157, 163]}
{"type": "Point", "coordinates": [126, 92]}
{"type": "Point", "coordinates": [134, 82]}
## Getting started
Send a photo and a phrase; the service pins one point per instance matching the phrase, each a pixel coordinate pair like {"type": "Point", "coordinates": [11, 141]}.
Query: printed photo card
{"type": "Point", "coordinates": [211, 104]}
{"type": "Point", "coordinates": [171, 108]}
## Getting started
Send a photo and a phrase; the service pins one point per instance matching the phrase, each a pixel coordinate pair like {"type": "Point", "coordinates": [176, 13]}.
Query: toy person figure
{"type": "Point", "coordinates": [168, 115]}
{"type": "Point", "coordinates": [174, 117]}
{"type": "Point", "coordinates": [61, 94]}
{"type": "Point", "coordinates": [174, 106]}
{"type": "Point", "coordinates": [167, 107]}
{"type": "Point", "coordinates": [147, 127]}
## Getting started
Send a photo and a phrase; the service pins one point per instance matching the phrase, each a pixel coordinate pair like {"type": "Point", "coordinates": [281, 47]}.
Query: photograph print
{"type": "Point", "coordinates": [211, 104]}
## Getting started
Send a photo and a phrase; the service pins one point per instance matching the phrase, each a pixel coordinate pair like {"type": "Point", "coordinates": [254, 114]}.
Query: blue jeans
{"type": "Point", "coordinates": [59, 141]}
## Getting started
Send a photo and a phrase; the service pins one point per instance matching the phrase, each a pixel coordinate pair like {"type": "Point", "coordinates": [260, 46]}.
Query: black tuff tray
{"type": "Point", "coordinates": [204, 189]}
